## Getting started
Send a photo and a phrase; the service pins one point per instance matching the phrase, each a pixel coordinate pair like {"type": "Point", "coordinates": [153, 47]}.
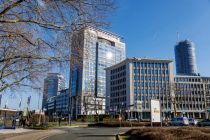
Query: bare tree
{"type": "Point", "coordinates": [36, 34]}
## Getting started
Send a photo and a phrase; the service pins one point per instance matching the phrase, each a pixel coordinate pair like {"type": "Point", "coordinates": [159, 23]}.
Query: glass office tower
{"type": "Point", "coordinates": [185, 58]}
{"type": "Point", "coordinates": [92, 51]}
{"type": "Point", "coordinates": [53, 84]}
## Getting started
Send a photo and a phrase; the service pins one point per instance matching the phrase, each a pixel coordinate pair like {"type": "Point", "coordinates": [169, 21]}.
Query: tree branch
{"type": "Point", "coordinates": [49, 58]}
{"type": "Point", "coordinates": [10, 7]}
{"type": "Point", "coordinates": [45, 25]}
{"type": "Point", "coordinates": [18, 35]}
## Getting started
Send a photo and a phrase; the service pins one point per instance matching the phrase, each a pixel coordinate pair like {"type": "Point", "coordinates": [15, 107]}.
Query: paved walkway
{"type": "Point", "coordinates": [88, 133]}
{"type": "Point", "coordinates": [28, 134]}
{"type": "Point", "coordinates": [16, 131]}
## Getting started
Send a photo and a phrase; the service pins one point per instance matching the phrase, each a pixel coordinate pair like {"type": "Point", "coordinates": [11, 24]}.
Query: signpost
{"type": "Point", "coordinates": [155, 111]}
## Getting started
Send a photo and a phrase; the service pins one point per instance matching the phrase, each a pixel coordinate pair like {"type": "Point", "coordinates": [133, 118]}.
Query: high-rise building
{"type": "Point", "coordinates": [92, 51]}
{"type": "Point", "coordinates": [138, 80]}
{"type": "Point", "coordinates": [185, 58]}
{"type": "Point", "coordinates": [53, 84]}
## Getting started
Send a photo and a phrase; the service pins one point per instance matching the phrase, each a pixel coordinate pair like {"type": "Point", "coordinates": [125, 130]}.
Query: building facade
{"type": "Point", "coordinates": [139, 80]}
{"type": "Point", "coordinates": [62, 103]}
{"type": "Point", "coordinates": [185, 58]}
{"type": "Point", "coordinates": [92, 51]}
{"type": "Point", "coordinates": [58, 105]}
{"type": "Point", "coordinates": [53, 84]}
{"type": "Point", "coordinates": [50, 106]}
{"type": "Point", "coordinates": [192, 96]}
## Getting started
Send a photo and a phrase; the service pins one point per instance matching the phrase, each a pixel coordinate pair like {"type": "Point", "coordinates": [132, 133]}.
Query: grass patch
{"type": "Point", "coordinates": [181, 133]}
{"type": "Point", "coordinates": [38, 127]}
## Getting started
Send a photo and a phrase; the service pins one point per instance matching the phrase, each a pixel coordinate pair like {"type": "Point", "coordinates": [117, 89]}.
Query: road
{"type": "Point", "coordinates": [86, 133]}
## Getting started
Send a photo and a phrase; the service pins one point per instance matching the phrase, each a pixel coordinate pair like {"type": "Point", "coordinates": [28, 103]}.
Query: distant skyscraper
{"type": "Point", "coordinates": [93, 50]}
{"type": "Point", "coordinates": [185, 58]}
{"type": "Point", "coordinates": [53, 84]}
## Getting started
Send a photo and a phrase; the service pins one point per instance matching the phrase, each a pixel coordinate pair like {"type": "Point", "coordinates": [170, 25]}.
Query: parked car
{"type": "Point", "coordinates": [179, 121]}
{"type": "Point", "coordinates": [193, 121]}
{"type": "Point", "coordinates": [204, 123]}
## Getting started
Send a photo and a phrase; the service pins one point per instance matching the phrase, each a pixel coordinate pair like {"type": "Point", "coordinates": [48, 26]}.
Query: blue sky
{"type": "Point", "coordinates": [149, 29]}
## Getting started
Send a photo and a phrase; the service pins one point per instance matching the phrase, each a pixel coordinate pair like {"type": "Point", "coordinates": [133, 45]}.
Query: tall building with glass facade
{"type": "Point", "coordinates": [185, 58]}
{"type": "Point", "coordinates": [138, 80]}
{"type": "Point", "coordinates": [62, 103]}
{"type": "Point", "coordinates": [53, 84]}
{"type": "Point", "coordinates": [93, 50]}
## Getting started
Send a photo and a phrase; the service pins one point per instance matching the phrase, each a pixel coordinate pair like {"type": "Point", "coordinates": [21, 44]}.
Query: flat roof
{"type": "Point", "coordinates": [191, 76]}
{"type": "Point", "coordinates": [145, 59]}
{"type": "Point", "coordinates": [104, 31]}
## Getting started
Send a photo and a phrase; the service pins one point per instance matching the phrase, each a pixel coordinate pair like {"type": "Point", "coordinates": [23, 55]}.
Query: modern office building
{"type": "Point", "coordinates": [58, 105]}
{"type": "Point", "coordinates": [53, 84]}
{"type": "Point", "coordinates": [206, 81]}
{"type": "Point", "coordinates": [192, 96]}
{"type": "Point", "coordinates": [139, 80]}
{"type": "Point", "coordinates": [62, 103]}
{"type": "Point", "coordinates": [185, 58]}
{"type": "Point", "coordinates": [93, 50]}
{"type": "Point", "coordinates": [50, 106]}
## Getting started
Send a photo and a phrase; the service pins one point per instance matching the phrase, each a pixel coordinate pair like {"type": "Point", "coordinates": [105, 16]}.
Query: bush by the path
{"type": "Point", "coordinates": [181, 133]}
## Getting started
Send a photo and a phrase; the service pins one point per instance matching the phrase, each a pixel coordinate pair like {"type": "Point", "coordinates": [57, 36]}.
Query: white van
{"type": "Point", "coordinates": [179, 121]}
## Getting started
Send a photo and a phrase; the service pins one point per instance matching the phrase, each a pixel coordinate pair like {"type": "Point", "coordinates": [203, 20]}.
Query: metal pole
{"type": "Point", "coordinates": [70, 94]}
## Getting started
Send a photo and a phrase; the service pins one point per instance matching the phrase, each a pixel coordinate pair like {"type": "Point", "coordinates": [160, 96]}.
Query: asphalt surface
{"type": "Point", "coordinates": [87, 133]}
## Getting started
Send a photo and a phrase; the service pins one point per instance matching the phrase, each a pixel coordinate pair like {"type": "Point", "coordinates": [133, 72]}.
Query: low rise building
{"type": "Point", "coordinates": [192, 96]}
{"type": "Point", "coordinates": [62, 103]}
{"type": "Point", "coordinates": [58, 105]}
{"type": "Point", "coordinates": [139, 80]}
{"type": "Point", "coordinates": [136, 81]}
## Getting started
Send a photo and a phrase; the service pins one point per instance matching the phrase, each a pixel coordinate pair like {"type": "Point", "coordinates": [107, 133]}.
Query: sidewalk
{"type": "Point", "coordinates": [37, 135]}
{"type": "Point", "coordinates": [16, 131]}
{"type": "Point", "coordinates": [27, 134]}
{"type": "Point", "coordinates": [7, 133]}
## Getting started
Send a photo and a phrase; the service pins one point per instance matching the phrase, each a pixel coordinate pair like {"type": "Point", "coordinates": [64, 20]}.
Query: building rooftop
{"type": "Point", "coordinates": [143, 59]}
{"type": "Point", "coordinates": [104, 31]}
{"type": "Point", "coordinates": [191, 76]}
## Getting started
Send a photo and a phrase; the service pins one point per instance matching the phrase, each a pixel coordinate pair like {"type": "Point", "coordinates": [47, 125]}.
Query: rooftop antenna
{"type": "Point", "coordinates": [177, 39]}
